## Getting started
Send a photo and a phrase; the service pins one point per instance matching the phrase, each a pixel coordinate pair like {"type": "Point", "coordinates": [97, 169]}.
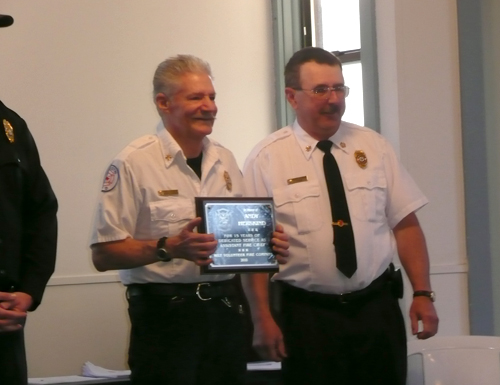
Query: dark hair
{"type": "Point", "coordinates": [305, 55]}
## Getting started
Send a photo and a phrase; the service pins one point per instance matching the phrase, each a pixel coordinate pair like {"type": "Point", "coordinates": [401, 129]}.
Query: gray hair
{"type": "Point", "coordinates": [168, 72]}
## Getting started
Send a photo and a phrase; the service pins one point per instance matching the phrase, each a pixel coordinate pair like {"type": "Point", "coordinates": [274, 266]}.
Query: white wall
{"type": "Point", "coordinates": [420, 114]}
{"type": "Point", "coordinates": [75, 324]}
{"type": "Point", "coordinates": [80, 73]}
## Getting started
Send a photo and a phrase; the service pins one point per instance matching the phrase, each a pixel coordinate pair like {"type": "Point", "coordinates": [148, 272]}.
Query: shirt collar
{"type": "Point", "coordinates": [169, 147]}
{"type": "Point", "coordinates": [307, 143]}
{"type": "Point", "coordinates": [339, 139]}
{"type": "Point", "coordinates": [172, 151]}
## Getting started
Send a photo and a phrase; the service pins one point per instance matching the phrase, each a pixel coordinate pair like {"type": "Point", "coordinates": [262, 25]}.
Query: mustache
{"type": "Point", "coordinates": [205, 116]}
{"type": "Point", "coordinates": [331, 109]}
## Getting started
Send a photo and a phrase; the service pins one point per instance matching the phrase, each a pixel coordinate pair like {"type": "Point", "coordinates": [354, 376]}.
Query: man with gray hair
{"type": "Point", "coordinates": [186, 328]}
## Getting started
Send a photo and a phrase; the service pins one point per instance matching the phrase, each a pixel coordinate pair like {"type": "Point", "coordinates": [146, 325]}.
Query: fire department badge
{"type": "Point", "coordinates": [361, 158]}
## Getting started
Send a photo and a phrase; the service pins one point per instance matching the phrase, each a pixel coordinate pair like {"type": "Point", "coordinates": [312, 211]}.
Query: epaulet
{"type": "Point", "coordinates": [276, 136]}
{"type": "Point", "coordinates": [137, 144]}
{"type": "Point", "coordinates": [217, 144]}
{"type": "Point", "coordinates": [143, 141]}
{"type": "Point", "coordinates": [282, 133]}
{"type": "Point", "coordinates": [220, 148]}
{"type": "Point", "coordinates": [353, 126]}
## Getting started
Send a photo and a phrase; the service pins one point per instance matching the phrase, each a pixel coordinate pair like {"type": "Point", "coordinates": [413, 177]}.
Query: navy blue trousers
{"type": "Point", "coordinates": [13, 370]}
{"type": "Point", "coordinates": [344, 344]}
{"type": "Point", "coordinates": [186, 341]}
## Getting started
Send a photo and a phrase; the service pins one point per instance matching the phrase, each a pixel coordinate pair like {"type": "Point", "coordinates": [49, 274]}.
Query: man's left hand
{"type": "Point", "coordinates": [17, 301]}
{"type": "Point", "coordinates": [13, 308]}
{"type": "Point", "coordinates": [280, 244]}
{"type": "Point", "coordinates": [23, 301]}
{"type": "Point", "coordinates": [422, 309]}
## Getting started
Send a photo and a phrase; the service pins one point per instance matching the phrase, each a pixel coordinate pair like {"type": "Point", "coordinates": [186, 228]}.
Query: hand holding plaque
{"type": "Point", "coordinates": [243, 228]}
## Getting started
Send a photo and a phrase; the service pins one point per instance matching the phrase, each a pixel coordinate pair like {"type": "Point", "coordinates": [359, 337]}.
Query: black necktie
{"type": "Point", "coordinates": [343, 236]}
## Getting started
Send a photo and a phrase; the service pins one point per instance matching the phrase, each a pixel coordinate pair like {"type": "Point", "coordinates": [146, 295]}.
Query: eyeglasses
{"type": "Point", "coordinates": [324, 92]}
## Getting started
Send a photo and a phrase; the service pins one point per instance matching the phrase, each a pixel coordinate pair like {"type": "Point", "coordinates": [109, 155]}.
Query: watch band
{"type": "Point", "coordinates": [161, 243]}
{"type": "Point", "coordinates": [425, 293]}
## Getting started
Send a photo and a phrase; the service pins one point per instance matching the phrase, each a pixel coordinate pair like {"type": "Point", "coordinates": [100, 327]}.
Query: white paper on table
{"type": "Point", "coordinates": [60, 380]}
{"type": "Point", "coordinates": [264, 365]}
{"type": "Point", "coordinates": [91, 370]}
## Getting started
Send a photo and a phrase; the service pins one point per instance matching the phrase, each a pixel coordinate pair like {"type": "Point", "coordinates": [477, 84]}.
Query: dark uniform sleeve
{"type": "Point", "coordinates": [29, 232]}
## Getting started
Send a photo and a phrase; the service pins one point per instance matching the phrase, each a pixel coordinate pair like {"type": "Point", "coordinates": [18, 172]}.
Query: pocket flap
{"type": "Point", "coordinates": [173, 210]}
{"type": "Point", "coordinates": [295, 193]}
{"type": "Point", "coordinates": [365, 180]}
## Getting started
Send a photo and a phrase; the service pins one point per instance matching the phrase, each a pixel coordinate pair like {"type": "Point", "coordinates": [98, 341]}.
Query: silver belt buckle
{"type": "Point", "coordinates": [198, 291]}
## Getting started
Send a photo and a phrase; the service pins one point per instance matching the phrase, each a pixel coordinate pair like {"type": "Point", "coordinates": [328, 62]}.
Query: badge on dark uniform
{"type": "Point", "coordinates": [229, 184]}
{"type": "Point", "coordinates": [361, 158]}
{"type": "Point", "coordinates": [9, 130]}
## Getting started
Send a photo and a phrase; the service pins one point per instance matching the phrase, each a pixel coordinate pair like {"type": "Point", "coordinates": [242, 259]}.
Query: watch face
{"type": "Point", "coordinates": [163, 255]}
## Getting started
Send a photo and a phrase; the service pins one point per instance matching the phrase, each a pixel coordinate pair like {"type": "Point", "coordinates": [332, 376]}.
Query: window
{"type": "Point", "coordinates": [336, 28]}
{"type": "Point", "coordinates": [345, 27]}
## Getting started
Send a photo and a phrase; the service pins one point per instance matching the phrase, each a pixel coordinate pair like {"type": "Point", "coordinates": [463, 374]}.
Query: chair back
{"type": "Point", "coordinates": [458, 360]}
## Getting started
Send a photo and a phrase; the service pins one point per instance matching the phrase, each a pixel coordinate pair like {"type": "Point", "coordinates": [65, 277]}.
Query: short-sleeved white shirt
{"type": "Point", "coordinates": [149, 192]}
{"type": "Point", "coordinates": [288, 166]}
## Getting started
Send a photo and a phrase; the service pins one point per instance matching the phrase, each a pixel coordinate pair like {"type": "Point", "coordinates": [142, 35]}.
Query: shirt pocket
{"type": "Point", "coordinates": [298, 205]}
{"type": "Point", "coordinates": [170, 216]}
{"type": "Point", "coordinates": [367, 196]}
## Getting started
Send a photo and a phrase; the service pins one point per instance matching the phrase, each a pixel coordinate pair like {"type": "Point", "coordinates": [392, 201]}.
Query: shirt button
{"type": "Point", "coordinates": [171, 215]}
{"type": "Point", "coordinates": [3, 273]}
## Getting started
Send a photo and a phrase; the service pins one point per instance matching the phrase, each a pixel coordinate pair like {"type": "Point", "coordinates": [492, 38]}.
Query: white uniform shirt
{"type": "Point", "coordinates": [148, 193]}
{"type": "Point", "coordinates": [288, 166]}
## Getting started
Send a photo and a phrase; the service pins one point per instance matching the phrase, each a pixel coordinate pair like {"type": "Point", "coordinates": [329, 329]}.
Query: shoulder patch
{"type": "Point", "coordinates": [111, 179]}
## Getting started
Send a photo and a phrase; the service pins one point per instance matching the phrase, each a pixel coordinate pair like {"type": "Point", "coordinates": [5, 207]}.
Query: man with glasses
{"type": "Point", "coordinates": [348, 206]}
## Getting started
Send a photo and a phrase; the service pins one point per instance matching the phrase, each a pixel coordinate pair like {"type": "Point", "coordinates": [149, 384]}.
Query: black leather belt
{"type": "Point", "coordinates": [373, 289]}
{"type": "Point", "coordinates": [203, 290]}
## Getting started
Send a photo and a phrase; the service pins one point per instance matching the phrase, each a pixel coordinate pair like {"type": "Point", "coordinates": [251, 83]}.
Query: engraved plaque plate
{"type": "Point", "coordinates": [243, 228]}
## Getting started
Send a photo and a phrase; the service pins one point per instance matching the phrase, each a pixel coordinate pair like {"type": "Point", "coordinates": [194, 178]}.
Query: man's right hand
{"type": "Point", "coordinates": [268, 341]}
{"type": "Point", "coordinates": [130, 253]}
{"type": "Point", "coordinates": [195, 247]}
{"type": "Point", "coordinates": [11, 318]}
